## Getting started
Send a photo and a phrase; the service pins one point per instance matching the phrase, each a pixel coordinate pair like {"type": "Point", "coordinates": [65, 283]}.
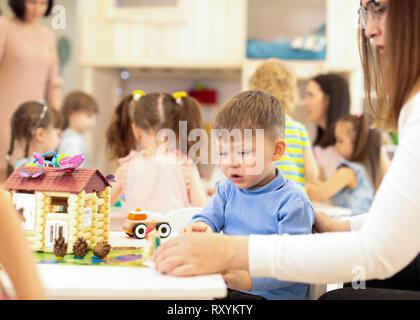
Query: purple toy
{"type": "Point", "coordinates": [69, 164]}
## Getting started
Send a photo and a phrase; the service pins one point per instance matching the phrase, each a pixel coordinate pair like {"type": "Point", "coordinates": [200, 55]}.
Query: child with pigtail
{"type": "Point", "coordinates": [357, 177]}
{"type": "Point", "coordinates": [36, 127]}
{"type": "Point", "coordinates": [155, 179]}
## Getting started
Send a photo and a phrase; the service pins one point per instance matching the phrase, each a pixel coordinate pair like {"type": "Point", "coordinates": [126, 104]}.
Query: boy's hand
{"type": "Point", "coordinates": [198, 226]}
{"type": "Point", "coordinates": [238, 280]}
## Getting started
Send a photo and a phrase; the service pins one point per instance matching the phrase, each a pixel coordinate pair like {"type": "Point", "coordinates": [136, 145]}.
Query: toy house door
{"type": "Point", "coordinates": [53, 229]}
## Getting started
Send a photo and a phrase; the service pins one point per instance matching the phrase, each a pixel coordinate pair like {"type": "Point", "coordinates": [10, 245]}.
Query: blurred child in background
{"type": "Point", "coordinates": [358, 176]}
{"type": "Point", "coordinates": [79, 113]}
{"type": "Point", "coordinates": [298, 162]}
{"type": "Point", "coordinates": [36, 127]}
{"type": "Point", "coordinates": [150, 179]}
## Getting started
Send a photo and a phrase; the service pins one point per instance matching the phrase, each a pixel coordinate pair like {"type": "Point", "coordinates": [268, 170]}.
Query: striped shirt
{"type": "Point", "coordinates": [292, 163]}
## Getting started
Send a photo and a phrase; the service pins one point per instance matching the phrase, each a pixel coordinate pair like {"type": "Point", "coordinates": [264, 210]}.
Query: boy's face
{"type": "Point", "coordinates": [250, 161]}
{"type": "Point", "coordinates": [82, 121]}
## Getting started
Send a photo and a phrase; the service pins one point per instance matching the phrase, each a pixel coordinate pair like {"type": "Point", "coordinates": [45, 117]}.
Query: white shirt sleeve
{"type": "Point", "coordinates": [387, 241]}
{"type": "Point", "coordinates": [356, 223]}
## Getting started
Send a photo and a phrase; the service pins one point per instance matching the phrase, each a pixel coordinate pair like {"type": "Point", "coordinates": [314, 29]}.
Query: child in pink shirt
{"type": "Point", "coordinates": [154, 179]}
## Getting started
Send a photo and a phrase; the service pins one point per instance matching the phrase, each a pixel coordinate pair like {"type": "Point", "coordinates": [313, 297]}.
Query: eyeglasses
{"type": "Point", "coordinates": [373, 11]}
{"type": "Point", "coordinates": [41, 116]}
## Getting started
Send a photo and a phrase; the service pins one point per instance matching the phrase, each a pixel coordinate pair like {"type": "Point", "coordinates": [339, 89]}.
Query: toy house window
{"type": "Point", "coordinates": [53, 230]}
{"type": "Point", "coordinates": [59, 205]}
{"type": "Point", "coordinates": [26, 201]}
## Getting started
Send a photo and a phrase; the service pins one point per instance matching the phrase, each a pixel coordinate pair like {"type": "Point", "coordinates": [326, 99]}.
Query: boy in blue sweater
{"type": "Point", "coordinates": [255, 198]}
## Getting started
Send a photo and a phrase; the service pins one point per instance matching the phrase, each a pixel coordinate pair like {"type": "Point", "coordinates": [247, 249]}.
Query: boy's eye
{"type": "Point", "coordinates": [223, 154]}
{"type": "Point", "coordinates": [244, 153]}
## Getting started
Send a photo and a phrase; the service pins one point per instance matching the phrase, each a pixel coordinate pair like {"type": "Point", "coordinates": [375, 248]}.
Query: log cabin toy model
{"type": "Point", "coordinates": [73, 203]}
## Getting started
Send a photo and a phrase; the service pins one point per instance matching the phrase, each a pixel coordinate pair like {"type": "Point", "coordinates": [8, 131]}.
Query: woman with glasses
{"type": "Point", "coordinates": [379, 245]}
{"type": "Point", "coordinates": [28, 63]}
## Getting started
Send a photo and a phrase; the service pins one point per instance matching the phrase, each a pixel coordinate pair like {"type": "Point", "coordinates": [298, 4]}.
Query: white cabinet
{"type": "Point", "coordinates": [269, 19]}
{"type": "Point", "coordinates": [198, 33]}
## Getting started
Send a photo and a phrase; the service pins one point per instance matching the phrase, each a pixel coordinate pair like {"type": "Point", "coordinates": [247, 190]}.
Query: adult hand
{"type": "Point", "coordinates": [201, 253]}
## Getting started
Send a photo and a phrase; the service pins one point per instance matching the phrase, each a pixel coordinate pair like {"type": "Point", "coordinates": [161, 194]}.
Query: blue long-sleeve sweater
{"type": "Point", "coordinates": [277, 208]}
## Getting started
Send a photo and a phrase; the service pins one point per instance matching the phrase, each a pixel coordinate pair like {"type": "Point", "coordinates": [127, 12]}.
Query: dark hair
{"type": "Point", "coordinates": [336, 88]}
{"type": "Point", "coordinates": [367, 145]}
{"type": "Point", "coordinates": [154, 111]}
{"type": "Point", "coordinates": [392, 77]}
{"type": "Point", "coordinates": [252, 110]}
{"type": "Point", "coordinates": [18, 7]}
{"type": "Point", "coordinates": [77, 101]}
{"type": "Point", "coordinates": [25, 120]}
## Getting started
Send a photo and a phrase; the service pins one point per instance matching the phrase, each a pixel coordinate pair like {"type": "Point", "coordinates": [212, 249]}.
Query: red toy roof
{"type": "Point", "coordinates": [90, 180]}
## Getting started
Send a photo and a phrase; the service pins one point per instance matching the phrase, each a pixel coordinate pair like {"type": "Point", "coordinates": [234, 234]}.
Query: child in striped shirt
{"type": "Point", "coordinates": [298, 162]}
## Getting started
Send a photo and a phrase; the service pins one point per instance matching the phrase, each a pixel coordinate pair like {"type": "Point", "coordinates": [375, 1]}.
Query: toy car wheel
{"type": "Point", "coordinates": [139, 231]}
{"type": "Point", "coordinates": [164, 229]}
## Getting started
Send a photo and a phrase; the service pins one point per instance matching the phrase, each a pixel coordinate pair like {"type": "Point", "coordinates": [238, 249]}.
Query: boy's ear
{"type": "Point", "coordinates": [279, 149]}
{"type": "Point", "coordinates": [136, 131]}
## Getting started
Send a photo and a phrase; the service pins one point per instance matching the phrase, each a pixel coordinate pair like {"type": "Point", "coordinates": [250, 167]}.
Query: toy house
{"type": "Point", "coordinates": [74, 205]}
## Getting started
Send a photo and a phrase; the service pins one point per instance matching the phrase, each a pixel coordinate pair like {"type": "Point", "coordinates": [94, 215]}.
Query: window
{"type": "Point", "coordinates": [26, 202]}
{"type": "Point", "coordinates": [59, 205]}
{"type": "Point", "coordinates": [87, 217]}
{"type": "Point", "coordinates": [53, 229]}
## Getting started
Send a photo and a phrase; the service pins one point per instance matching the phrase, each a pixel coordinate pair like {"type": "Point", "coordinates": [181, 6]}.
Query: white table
{"type": "Point", "coordinates": [108, 282]}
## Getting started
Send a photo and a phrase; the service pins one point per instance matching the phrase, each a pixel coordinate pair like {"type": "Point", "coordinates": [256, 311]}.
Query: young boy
{"type": "Point", "coordinates": [255, 198]}
{"type": "Point", "coordinates": [79, 113]}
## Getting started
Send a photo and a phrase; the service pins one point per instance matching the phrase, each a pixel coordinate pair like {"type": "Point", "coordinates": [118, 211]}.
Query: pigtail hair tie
{"type": "Point", "coordinates": [137, 95]}
{"type": "Point", "coordinates": [178, 97]}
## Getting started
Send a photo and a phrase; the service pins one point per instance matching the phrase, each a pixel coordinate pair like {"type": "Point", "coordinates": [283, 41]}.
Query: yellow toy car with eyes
{"type": "Point", "coordinates": [138, 221]}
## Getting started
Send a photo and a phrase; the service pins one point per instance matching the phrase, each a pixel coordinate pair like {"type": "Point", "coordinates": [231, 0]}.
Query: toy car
{"type": "Point", "coordinates": [138, 221]}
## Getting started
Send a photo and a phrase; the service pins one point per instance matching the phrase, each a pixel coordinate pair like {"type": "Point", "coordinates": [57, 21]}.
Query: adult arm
{"type": "Point", "coordinates": [384, 163]}
{"type": "Point", "coordinates": [386, 243]}
{"type": "Point", "coordinates": [15, 255]}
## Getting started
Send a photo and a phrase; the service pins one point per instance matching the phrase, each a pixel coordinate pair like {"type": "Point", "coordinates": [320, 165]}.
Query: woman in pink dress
{"type": "Point", "coordinates": [28, 64]}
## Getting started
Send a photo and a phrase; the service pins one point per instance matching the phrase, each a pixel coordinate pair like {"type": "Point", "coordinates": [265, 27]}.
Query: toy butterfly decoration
{"type": "Point", "coordinates": [111, 178]}
{"type": "Point", "coordinates": [26, 174]}
{"type": "Point", "coordinates": [70, 164]}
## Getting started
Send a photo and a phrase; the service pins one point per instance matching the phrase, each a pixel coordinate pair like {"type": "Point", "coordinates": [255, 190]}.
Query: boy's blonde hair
{"type": "Point", "coordinates": [253, 110]}
{"type": "Point", "coordinates": [276, 78]}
